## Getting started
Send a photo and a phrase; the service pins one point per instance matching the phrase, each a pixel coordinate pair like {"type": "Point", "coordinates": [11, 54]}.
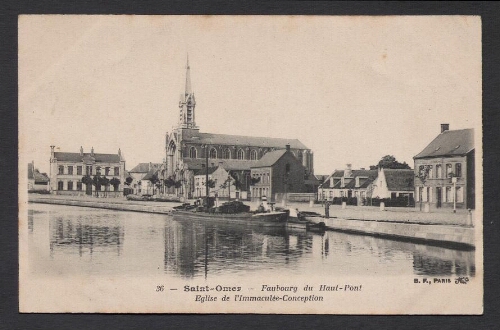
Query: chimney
{"type": "Point", "coordinates": [81, 151]}
{"type": "Point", "coordinates": [287, 147]}
{"type": "Point", "coordinates": [119, 152]}
{"type": "Point", "coordinates": [92, 152]}
{"type": "Point", "coordinates": [52, 151]}
{"type": "Point", "coordinates": [445, 127]}
{"type": "Point", "coordinates": [348, 171]}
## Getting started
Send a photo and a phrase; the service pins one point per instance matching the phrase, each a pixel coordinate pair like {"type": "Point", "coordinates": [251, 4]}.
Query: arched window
{"type": "Point", "coordinates": [192, 152]}
{"type": "Point", "coordinates": [226, 154]}
{"type": "Point", "coordinates": [253, 155]}
{"type": "Point", "coordinates": [241, 154]}
{"type": "Point", "coordinates": [213, 153]}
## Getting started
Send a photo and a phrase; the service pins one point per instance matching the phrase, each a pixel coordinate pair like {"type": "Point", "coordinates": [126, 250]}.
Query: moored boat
{"type": "Point", "coordinates": [311, 220]}
{"type": "Point", "coordinates": [235, 212]}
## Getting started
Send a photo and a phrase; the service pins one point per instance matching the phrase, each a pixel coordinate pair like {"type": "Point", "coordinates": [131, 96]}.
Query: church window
{"type": "Point", "coordinates": [213, 153]}
{"type": "Point", "coordinates": [226, 154]}
{"type": "Point", "coordinates": [253, 155]}
{"type": "Point", "coordinates": [241, 154]}
{"type": "Point", "coordinates": [192, 152]}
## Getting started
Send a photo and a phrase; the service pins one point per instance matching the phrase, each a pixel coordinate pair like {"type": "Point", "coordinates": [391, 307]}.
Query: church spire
{"type": "Point", "coordinates": [188, 78]}
{"type": "Point", "coordinates": [187, 103]}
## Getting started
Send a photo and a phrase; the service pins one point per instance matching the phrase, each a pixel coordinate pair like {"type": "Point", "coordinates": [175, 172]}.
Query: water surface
{"type": "Point", "coordinates": [66, 240]}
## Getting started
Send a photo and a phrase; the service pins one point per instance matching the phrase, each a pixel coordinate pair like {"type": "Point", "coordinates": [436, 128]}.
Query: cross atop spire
{"type": "Point", "coordinates": [188, 78]}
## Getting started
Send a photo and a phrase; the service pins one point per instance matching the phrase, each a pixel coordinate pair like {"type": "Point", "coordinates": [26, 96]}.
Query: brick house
{"type": "Point", "coordinates": [449, 159]}
{"type": "Point", "coordinates": [278, 172]}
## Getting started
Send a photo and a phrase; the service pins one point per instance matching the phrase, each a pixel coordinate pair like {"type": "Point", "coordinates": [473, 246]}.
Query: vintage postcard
{"type": "Point", "coordinates": [250, 164]}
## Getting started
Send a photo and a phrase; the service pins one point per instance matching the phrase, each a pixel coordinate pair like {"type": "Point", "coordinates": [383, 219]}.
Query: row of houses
{"type": "Point", "coordinates": [364, 184]}
{"type": "Point", "coordinates": [253, 167]}
{"type": "Point", "coordinates": [276, 173]}
{"type": "Point", "coordinates": [443, 176]}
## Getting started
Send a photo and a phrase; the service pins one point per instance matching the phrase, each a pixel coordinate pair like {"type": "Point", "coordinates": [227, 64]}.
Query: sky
{"type": "Point", "coordinates": [351, 88]}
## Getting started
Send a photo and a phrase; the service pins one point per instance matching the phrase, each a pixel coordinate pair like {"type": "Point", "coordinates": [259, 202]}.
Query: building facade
{"type": "Point", "coordinates": [347, 183]}
{"type": "Point", "coordinates": [187, 149]}
{"type": "Point", "coordinates": [37, 181]}
{"type": "Point", "coordinates": [277, 173]}
{"type": "Point", "coordinates": [226, 184]}
{"type": "Point", "coordinates": [141, 174]}
{"type": "Point", "coordinates": [444, 170]}
{"type": "Point", "coordinates": [68, 169]}
{"type": "Point", "coordinates": [394, 183]}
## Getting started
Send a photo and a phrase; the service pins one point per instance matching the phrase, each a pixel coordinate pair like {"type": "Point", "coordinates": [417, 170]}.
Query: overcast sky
{"type": "Point", "coordinates": [352, 89]}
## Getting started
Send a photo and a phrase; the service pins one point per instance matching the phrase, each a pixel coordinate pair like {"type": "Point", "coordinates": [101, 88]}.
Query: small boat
{"type": "Point", "coordinates": [295, 221]}
{"type": "Point", "coordinates": [234, 212]}
{"type": "Point", "coordinates": [311, 220]}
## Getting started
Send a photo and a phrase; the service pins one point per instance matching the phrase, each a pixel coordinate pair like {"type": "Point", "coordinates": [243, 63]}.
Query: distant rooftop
{"type": "Point", "coordinates": [251, 141]}
{"type": "Point", "coordinates": [449, 143]}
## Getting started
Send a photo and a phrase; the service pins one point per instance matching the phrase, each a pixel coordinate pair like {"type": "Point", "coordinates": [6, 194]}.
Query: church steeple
{"type": "Point", "coordinates": [188, 78]}
{"type": "Point", "coordinates": [187, 103]}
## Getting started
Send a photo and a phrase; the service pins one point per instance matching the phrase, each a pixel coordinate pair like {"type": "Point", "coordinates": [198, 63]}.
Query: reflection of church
{"type": "Point", "coordinates": [187, 148]}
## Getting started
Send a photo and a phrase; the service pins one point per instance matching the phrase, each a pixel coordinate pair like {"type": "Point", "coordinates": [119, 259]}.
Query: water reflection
{"type": "Point", "coordinates": [64, 239]}
{"type": "Point", "coordinates": [196, 247]}
{"type": "Point", "coordinates": [86, 235]}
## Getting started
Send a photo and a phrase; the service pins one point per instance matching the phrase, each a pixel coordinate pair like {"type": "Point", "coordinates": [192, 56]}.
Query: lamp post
{"type": "Point", "coordinates": [454, 180]}
{"type": "Point", "coordinates": [205, 146]}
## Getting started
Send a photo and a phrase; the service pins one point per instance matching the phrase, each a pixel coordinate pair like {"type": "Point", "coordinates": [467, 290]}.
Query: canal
{"type": "Point", "coordinates": [68, 240]}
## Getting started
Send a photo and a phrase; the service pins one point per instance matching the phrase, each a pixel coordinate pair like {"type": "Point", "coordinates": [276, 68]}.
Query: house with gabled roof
{"type": "Point", "coordinates": [393, 183]}
{"type": "Point", "coordinates": [141, 174]}
{"type": "Point", "coordinates": [347, 183]}
{"type": "Point", "coordinates": [37, 181]}
{"type": "Point", "coordinates": [277, 173]}
{"type": "Point", "coordinates": [447, 166]}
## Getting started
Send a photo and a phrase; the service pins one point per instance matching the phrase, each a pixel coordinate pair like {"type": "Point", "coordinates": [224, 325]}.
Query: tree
{"type": "Point", "coordinates": [154, 180]}
{"type": "Point", "coordinates": [236, 181]}
{"type": "Point", "coordinates": [423, 175]}
{"type": "Point", "coordinates": [104, 181]}
{"type": "Point", "coordinates": [97, 184]}
{"type": "Point", "coordinates": [390, 162]}
{"type": "Point", "coordinates": [115, 182]}
{"type": "Point", "coordinates": [87, 180]}
{"type": "Point", "coordinates": [128, 181]}
{"type": "Point", "coordinates": [169, 182]}
{"type": "Point", "coordinates": [254, 181]}
{"type": "Point", "coordinates": [210, 183]}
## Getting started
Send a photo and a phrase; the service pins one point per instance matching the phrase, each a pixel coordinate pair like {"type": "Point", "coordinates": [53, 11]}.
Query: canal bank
{"type": "Point", "coordinates": [445, 235]}
{"type": "Point", "coordinates": [117, 204]}
{"type": "Point", "coordinates": [434, 228]}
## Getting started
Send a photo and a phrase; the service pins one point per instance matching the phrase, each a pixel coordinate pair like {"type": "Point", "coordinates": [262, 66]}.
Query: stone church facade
{"type": "Point", "coordinates": [188, 149]}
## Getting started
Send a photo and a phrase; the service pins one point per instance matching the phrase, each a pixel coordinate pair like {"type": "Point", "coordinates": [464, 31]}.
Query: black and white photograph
{"type": "Point", "coordinates": [250, 164]}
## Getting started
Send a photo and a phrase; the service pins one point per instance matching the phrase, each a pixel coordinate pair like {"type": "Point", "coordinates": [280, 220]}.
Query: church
{"type": "Point", "coordinates": [188, 150]}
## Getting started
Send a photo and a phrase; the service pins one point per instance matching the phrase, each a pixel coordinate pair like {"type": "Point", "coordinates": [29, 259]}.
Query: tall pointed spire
{"type": "Point", "coordinates": [187, 103]}
{"type": "Point", "coordinates": [188, 78]}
